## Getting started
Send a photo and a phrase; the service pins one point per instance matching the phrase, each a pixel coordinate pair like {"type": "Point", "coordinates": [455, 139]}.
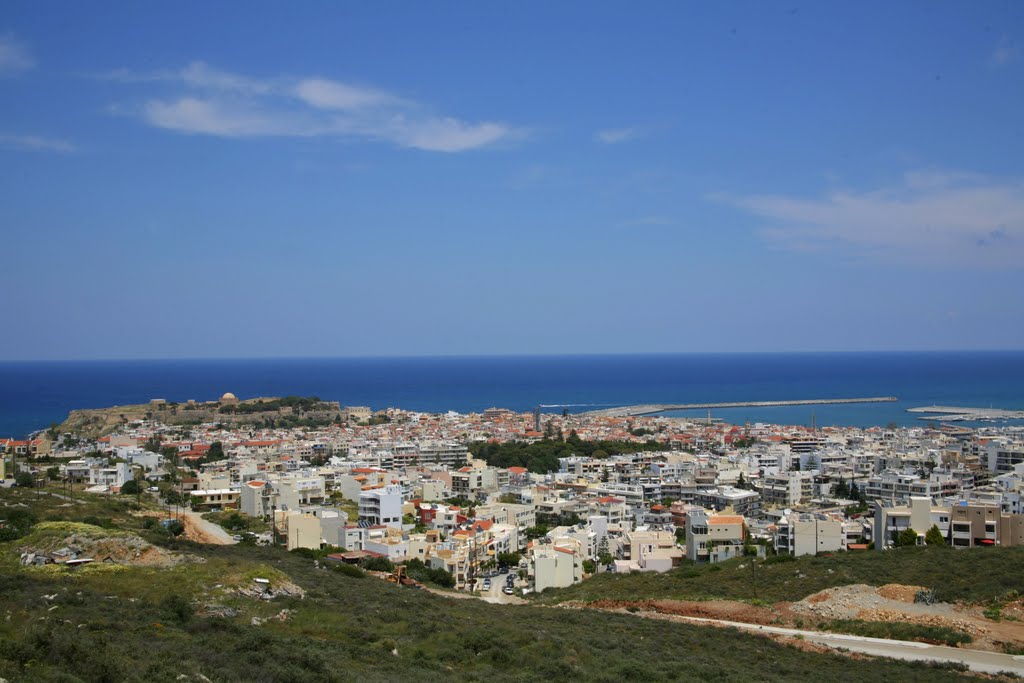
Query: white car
{"type": "Point", "coordinates": [487, 584]}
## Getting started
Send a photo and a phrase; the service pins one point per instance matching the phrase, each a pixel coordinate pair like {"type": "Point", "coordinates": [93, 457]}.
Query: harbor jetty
{"type": "Point", "coordinates": [961, 414]}
{"type": "Point", "coordinates": [653, 408]}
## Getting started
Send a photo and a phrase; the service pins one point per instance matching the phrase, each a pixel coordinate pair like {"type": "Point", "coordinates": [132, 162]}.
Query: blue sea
{"type": "Point", "coordinates": [35, 394]}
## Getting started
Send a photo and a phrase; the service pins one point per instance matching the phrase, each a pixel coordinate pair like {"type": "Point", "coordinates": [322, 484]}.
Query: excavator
{"type": "Point", "coordinates": [400, 577]}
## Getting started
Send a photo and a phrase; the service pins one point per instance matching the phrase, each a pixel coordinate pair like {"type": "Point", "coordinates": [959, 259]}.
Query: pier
{"type": "Point", "coordinates": [654, 408]}
{"type": "Point", "coordinates": [960, 414]}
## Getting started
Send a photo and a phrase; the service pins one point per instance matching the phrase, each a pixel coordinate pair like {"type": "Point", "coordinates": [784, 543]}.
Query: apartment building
{"type": "Point", "coordinates": [713, 538]}
{"type": "Point", "coordinates": [808, 533]}
{"type": "Point", "coordinates": [381, 506]}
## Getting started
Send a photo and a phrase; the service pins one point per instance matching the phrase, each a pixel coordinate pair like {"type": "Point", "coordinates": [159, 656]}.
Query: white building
{"type": "Point", "coordinates": [382, 506]}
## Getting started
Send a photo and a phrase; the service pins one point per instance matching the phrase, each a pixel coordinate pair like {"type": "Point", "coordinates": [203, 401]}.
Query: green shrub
{"type": "Point", "coordinates": [104, 522]}
{"type": "Point", "coordinates": [177, 607]}
{"type": "Point", "coordinates": [348, 570]}
{"type": "Point", "coordinates": [899, 631]}
{"type": "Point", "coordinates": [377, 564]}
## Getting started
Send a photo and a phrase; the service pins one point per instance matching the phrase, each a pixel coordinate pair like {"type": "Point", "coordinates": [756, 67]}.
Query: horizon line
{"type": "Point", "coordinates": [438, 356]}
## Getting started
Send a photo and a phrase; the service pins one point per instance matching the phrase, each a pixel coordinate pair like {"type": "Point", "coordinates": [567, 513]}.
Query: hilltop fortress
{"type": "Point", "coordinates": [228, 409]}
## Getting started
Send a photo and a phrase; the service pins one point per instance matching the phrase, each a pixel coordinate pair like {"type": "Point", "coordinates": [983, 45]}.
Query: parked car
{"type": "Point", "coordinates": [508, 590]}
{"type": "Point", "coordinates": [487, 584]}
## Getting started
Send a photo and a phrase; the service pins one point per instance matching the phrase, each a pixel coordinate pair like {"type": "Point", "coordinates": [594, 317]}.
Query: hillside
{"type": "Point", "coordinates": [973, 575]}
{"type": "Point", "coordinates": [283, 412]}
{"type": "Point", "coordinates": [203, 619]}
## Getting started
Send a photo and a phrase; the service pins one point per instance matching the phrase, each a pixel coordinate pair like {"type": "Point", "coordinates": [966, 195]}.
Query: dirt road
{"type": "Point", "coordinates": [201, 531]}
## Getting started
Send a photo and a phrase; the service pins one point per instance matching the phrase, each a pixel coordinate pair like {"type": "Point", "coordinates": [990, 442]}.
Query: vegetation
{"type": "Point", "coordinates": [424, 574]}
{"type": "Point", "coordinates": [542, 456]}
{"type": "Point", "coordinates": [237, 522]}
{"type": "Point", "coordinates": [134, 624]}
{"type": "Point", "coordinates": [902, 539]}
{"type": "Point", "coordinates": [937, 635]}
{"type": "Point", "coordinates": [299, 404]}
{"type": "Point", "coordinates": [995, 572]}
{"type": "Point", "coordinates": [934, 537]}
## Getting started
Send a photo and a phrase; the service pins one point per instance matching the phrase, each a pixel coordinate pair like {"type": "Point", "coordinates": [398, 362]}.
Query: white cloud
{"type": "Point", "coordinates": [14, 56]}
{"type": "Point", "coordinates": [212, 117]}
{"type": "Point", "coordinates": [614, 136]}
{"type": "Point", "coordinates": [198, 76]}
{"type": "Point", "coordinates": [445, 135]}
{"type": "Point", "coordinates": [326, 94]}
{"type": "Point", "coordinates": [928, 219]}
{"type": "Point", "coordinates": [230, 105]}
{"type": "Point", "coordinates": [1004, 53]}
{"type": "Point", "coordinates": [36, 143]}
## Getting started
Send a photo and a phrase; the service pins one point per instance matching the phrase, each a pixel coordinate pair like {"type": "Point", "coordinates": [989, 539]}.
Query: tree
{"type": "Point", "coordinates": [842, 489]}
{"type": "Point", "coordinates": [901, 539]}
{"type": "Point", "coordinates": [741, 483]}
{"type": "Point", "coordinates": [934, 536]}
{"type": "Point", "coordinates": [215, 453]}
{"type": "Point", "coordinates": [589, 567]}
{"type": "Point", "coordinates": [53, 473]}
{"type": "Point", "coordinates": [24, 479]}
{"type": "Point", "coordinates": [131, 487]}
{"type": "Point", "coordinates": [508, 559]}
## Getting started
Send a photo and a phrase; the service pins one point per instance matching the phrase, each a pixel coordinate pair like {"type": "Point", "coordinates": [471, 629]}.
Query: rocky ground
{"type": "Point", "coordinates": [64, 541]}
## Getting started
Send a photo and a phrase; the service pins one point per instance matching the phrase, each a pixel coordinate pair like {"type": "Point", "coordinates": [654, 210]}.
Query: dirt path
{"type": "Point", "coordinates": [200, 530]}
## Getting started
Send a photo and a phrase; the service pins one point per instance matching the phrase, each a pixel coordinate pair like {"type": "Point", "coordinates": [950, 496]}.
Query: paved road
{"type": "Point", "coordinates": [976, 660]}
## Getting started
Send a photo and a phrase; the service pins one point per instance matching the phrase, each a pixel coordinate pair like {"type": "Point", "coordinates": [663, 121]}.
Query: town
{"type": "Point", "coordinates": [546, 500]}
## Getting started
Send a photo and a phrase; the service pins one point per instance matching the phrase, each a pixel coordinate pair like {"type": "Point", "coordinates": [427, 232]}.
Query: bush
{"type": "Point", "coordinates": [104, 522]}
{"type": "Point", "coordinates": [348, 570]}
{"type": "Point", "coordinates": [20, 517]}
{"type": "Point", "coordinates": [424, 574]}
{"type": "Point", "coordinates": [24, 480]}
{"type": "Point", "coordinates": [178, 608]}
{"type": "Point", "coordinates": [377, 564]}
{"type": "Point", "coordinates": [900, 631]}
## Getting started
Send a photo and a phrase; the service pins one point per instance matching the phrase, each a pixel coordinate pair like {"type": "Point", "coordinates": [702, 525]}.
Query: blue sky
{"type": "Point", "coordinates": [334, 179]}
